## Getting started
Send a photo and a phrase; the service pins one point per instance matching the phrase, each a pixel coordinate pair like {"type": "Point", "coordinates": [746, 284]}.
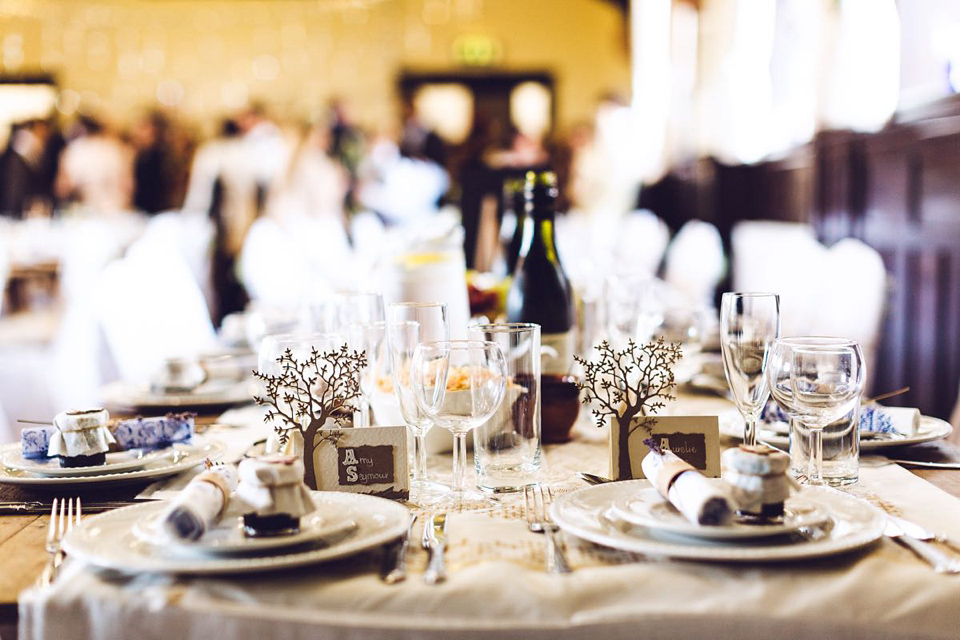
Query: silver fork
{"type": "Point", "coordinates": [60, 524]}
{"type": "Point", "coordinates": [536, 504]}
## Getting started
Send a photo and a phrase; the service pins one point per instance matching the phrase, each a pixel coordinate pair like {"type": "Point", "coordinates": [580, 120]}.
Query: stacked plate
{"type": "Point", "coordinates": [632, 516]}
{"type": "Point", "coordinates": [216, 393]}
{"type": "Point", "coordinates": [121, 467]}
{"type": "Point", "coordinates": [930, 429]}
{"type": "Point", "coordinates": [131, 540]}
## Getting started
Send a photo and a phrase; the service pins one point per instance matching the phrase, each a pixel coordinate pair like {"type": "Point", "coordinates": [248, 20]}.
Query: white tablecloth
{"type": "Point", "coordinates": [497, 587]}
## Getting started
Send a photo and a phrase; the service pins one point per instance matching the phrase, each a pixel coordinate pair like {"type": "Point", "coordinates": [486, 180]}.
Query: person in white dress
{"type": "Point", "coordinates": [96, 169]}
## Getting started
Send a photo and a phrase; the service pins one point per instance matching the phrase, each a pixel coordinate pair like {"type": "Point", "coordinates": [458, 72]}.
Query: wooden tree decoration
{"type": "Point", "coordinates": [306, 394]}
{"type": "Point", "coordinates": [636, 381]}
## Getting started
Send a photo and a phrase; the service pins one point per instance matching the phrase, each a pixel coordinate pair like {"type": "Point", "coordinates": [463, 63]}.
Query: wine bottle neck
{"type": "Point", "coordinates": [540, 236]}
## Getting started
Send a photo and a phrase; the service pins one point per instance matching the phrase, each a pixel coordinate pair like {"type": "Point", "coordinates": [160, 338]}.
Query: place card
{"type": "Point", "coordinates": [696, 439]}
{"type": "Point", "coordinates": [370, 460]}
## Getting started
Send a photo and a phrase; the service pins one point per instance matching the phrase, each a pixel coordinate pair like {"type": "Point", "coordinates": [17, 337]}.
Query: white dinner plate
{"type": "Point", "coordinates": [647, 508]}
{"type": "Point", "coordinates": [584, 514]}
{"type": "Point", "coordinates": [177, 458]}
{"type": "Point", "coordinates": [930, 429]}
{"type": "Point", "coordinates": [107, 540]}
{"type": "Point", "coordinates": [212, 393]}
{"type": "Point", "coordinates": [226, 537]}
{"type": "Point", "coordinates": [115, 463]}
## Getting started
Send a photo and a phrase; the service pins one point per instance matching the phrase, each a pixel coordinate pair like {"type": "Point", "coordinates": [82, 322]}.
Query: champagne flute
{"type": "Point", "coordinates": [460, 384]}
{"type": "Point", "coordinates": [409, 324]}
{"type": "Point", "coordinates": [749, 323]}
{"type": "Point", "coordinates": [816, 381]}
{"type": "Point", "coordinates": [368, 337]}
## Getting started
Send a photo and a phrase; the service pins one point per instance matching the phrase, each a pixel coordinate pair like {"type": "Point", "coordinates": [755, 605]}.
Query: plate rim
{"type": "Point", "coordinates": [217, 450]}
{"type": "Point", "coordinates": [707, 533]}
{"type": "Point", "coordinates": [237, 564]}
{"type": "Point", "coordinates": [675, 547]}
{"type": "Point", "coordinates": [71, 472]}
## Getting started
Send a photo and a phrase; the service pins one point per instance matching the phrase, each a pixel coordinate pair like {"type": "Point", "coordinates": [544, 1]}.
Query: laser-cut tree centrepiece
{"type": "Point", "coordinates": [305, 395]}
{"type": "Point", "coordinates": [629, 385]}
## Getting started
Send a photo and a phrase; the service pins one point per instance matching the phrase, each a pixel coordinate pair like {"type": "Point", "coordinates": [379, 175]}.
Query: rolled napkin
{"type": "Point", "coordinates": [699, 500]}
{"type": "Point", "coordinates": [273, 494]}
{"type": "Point", "coordinates": [200, 504]}
{"type": "Point", "coordinates": [81, 435]}
{"type": "Point", "coordinates": [154, 433]}
{"type": "Point", "coordinates": [758, 479]}
{"type": "Point", "coordinates": [876, 419]}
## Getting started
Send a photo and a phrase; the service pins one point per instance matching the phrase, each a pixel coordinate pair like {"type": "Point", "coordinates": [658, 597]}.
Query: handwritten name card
{"type": "Point", "coordinates": [371, 460]}
{"type": "Point", "coordinates": [696, 439]}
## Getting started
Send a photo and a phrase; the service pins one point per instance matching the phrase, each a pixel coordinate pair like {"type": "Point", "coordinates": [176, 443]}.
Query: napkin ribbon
{"type": "Point", "coordinates": [672, 467]}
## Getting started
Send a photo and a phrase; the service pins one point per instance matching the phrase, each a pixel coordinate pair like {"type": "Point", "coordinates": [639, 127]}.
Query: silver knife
{"type": "Point", "coordinates": [395, 561]}
{"type": "Point", "coordinates": [922, 533]}
{"type": "Point", "coordinates": [940, 561]}
{"type": "Point", "coordinates": [435, 542]}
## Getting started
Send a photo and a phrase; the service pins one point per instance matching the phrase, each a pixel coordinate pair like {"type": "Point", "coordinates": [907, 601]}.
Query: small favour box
{"type": "Point", "coordinates": [154, 433]}
{"type": "Point", "coordinates": [35, 442]}
{"type": "Point", "coordinates": [81, 438]}
{"type": "Point", "coordinates": [274, 494]}
{"type": "Point", "coordinates": [758, 478]}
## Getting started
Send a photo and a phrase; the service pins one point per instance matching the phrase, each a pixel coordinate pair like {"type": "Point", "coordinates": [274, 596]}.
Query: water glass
{"type": "Point", "coordinates": [840, 452]}
{"type": "Point", "coordinates": [749, 324]}
{"type": "Point", "coordinates": [506, 448]}
{"type": "Point", "coordinates": [816, 381]}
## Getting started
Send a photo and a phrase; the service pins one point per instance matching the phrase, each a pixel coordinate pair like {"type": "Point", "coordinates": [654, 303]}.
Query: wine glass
{"type": "Point", "coordinates": [634, 308]}
{"type": "Point", "coordinates": [460, 384]}
{"type": "Point", "coordinates": [368, 337]}
{"type": "Point", "coordinates": [359, 307]}
{"type": "Point", "coordinates": [749, 323]}
{"type": "Point", "coordinates": [816, 381]}
{"type": "Point", "coordinates": [409, 324]}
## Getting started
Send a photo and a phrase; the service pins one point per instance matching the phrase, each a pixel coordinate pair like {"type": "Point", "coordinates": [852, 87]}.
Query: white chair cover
{"type": "Point", "coordinates": [695, 262]}
{"type": "Point", "coordinates": [783, 258]}
{"type": "Point", "coordinates": [295, 259]}
{"type": "Point", "coordinates": [191, 235]}
{"type": "Point", "coordinates": [151, 309]}
{"type": "Point", "coordinates": [839, 291]}
{"type": "Point", "coordinates": [850, 296]}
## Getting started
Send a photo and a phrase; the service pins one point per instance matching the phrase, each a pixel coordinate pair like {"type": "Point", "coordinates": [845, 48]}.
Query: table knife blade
{"type": "Point", "coordinates": [435, 542]}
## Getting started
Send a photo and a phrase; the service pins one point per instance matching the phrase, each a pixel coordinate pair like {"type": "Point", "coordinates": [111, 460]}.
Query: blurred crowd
{"type": "Point", "coordinates": [256, 167]}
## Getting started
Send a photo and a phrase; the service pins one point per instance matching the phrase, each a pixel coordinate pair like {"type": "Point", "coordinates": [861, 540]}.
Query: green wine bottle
{"type": "Point", "coordinates": [540, 291]}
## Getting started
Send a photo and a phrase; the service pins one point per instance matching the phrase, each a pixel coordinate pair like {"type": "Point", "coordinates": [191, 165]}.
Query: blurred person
{"type": "Point", "coordinates": [347, 146]}
{"type": "Point", "coordinates": [222, 186]}
{"type": "Point", "coordinates": [96, 169]}
{"type": "Point", "coordinates": [417, 140]}
{"type": "Point", "coordinates": [22, 169]}
{"type": "Point", "coordinates": [314, 184]}
{"type": "Point", "coordinates": [401, 190]}
{"type": "Point", "coordinates": [155, 164]}
{"type": "Point", "coordinates": [605, 166]}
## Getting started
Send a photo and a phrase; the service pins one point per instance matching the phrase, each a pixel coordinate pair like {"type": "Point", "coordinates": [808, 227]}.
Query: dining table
{"type": "Point", "coordinates": [497, 586]}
